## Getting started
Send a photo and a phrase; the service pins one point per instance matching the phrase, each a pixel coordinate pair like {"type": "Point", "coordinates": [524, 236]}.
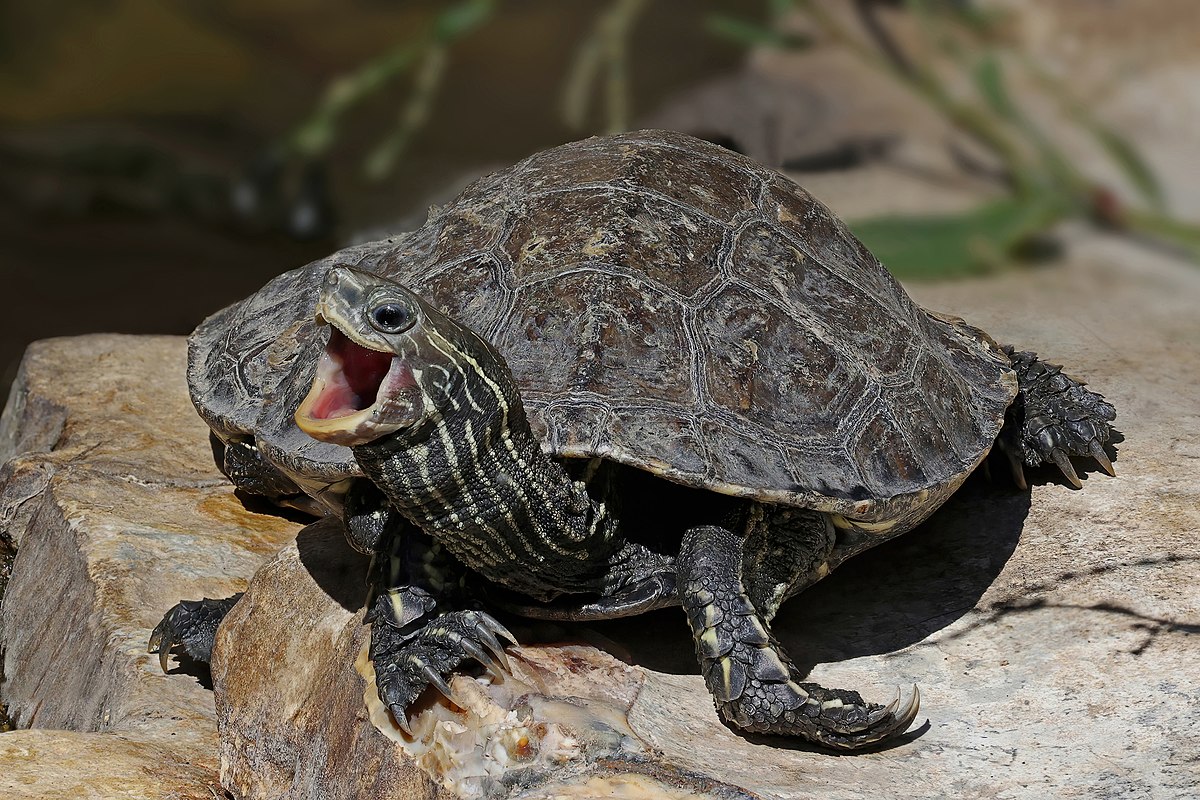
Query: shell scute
{"type": "Point", "coordinates": [594, 333]}
{"type": "Point", "coordinates": [757, 361]}
{"type": "Point", "coordinates": [560, 231]}
{"type": "Point", "coordinates": [731, 452]}
{"type": "Point", "coordinates": [667, 304]}
{"type": "Point", "coordinates": [678, 448]}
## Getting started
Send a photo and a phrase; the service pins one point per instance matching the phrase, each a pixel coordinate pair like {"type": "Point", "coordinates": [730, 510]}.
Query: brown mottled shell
{"type": "Point", "coordinates": [667, 304]}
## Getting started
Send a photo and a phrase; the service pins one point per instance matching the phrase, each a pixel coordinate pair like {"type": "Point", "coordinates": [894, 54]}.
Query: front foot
{"type": "Point", "coordinates": [193, 624]}
{"type": "Point", "coordinates": [414, 655]}
{"type": "Point", "coordinates": [1053, 419]}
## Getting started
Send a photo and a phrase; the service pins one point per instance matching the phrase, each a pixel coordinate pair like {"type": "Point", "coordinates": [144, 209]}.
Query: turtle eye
{"type": "Point", "coordinates": [391, 318]}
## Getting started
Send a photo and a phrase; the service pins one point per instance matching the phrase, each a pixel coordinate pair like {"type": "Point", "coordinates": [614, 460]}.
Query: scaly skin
{"type": "Point", "coordinates": [1052, 419]}
{"type": "Point", "coordinates": [455, 466]}
{"type": "Point", "coordinates": [753, 682]}
{"type": "Point", "coordinates": [193, 624]}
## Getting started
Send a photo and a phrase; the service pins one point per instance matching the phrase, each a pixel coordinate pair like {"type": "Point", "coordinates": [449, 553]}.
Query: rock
{"type": "Point", "coordinates": [297, 721]}
{"type": "Point", "coordinates": [48, 765]}
{"type": "Point", "coordinates": [868, 146]}
{"type": "Point", "coordinates": [111, 498]}
{"type": "Point", "coordinates": [1052, 632]}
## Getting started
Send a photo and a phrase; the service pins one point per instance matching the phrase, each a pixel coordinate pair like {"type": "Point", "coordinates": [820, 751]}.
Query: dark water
{"type": "Point", "coordinates": [124, 125]}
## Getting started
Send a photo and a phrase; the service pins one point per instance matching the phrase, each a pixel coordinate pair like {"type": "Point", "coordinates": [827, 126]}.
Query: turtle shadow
{"type": "Point", "coordinates": [883, 600]}
{"type": "Point", "coordinates": [199, 671]}
{"type": "Point", "coordinates": [906, 589]}
{"type": "Point", "coordinates": [335, 567]}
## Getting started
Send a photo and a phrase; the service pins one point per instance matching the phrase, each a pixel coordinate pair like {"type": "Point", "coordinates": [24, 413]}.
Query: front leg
{"type": "Point", "coordinates": [753, 682]}
{"type": "Point", "coordinates": [191, 624]}
{"type": "Point", "coordinates": [421, 631]}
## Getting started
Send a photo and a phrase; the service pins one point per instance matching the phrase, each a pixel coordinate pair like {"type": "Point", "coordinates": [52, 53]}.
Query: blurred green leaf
{"type": "Point", "coordinates": [957, 244]}
{"type": "Point", "coordinates": [1123, 153]}
{"type": "Point", "coordinates": [989, 80]}
{"type": "Point", "coordinates": [752, 34]}
{"type": "Point", "coordinates": [459, 20]}
{"type": "Point", "coordinates": [1117, 147]}
{"type": "Point", "coordinates": [780, 8]}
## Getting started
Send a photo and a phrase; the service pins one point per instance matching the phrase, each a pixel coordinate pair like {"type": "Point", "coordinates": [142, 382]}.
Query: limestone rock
{"type": "Point", "coordinates": [110, 495]}
{"type": "Point", "coordinates": [48, 765]}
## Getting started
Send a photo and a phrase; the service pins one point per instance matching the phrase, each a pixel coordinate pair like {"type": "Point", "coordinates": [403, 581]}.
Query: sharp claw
{"type": "Point", "coordinates": [1068, 471]}
{"type": "Point", "coordinates": [495, 625]}
{"type": "Point", "coordinates": [905, 717]}
{"type": "Point", "coordinates": [438, 682]}
{"type": "Point", "coordinates": [401, 719]}
{"type": "Point", "coordinates": [892, 706]}
{"type": "Point", "coordinates": [1097, 451]}
{"type": "Point", "coordinates": [163, 655]}
{"type": "Point", "coordinates": [479, 654]}
{"type": "Point", "coordinates": [161, 642]}
{"type": "Point", "coordinates": [1018, 472]}
{"type": "Point", "coordinates": [883, 712]}
{"type": "Point", "coordinates": [493, 645]}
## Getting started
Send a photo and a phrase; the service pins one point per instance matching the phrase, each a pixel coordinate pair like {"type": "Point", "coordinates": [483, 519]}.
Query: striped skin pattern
{"type": "Point", "coordinates": [473, 478]}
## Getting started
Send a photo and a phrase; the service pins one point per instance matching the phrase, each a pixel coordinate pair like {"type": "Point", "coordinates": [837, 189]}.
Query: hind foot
{"type": "Point", "coordinates": [1052, 419]}
{"type": "Point", "coordinates": [754, 684]}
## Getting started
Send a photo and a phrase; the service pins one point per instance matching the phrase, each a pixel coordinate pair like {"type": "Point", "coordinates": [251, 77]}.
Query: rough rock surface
{"type": "Point", "coordinates": [1053, 633]}
{"type": "Point", "coordinates": [109, 493]}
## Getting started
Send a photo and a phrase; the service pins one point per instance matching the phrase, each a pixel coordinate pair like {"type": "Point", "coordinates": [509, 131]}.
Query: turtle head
{"type": "Point", "coordinates": [391, 363]}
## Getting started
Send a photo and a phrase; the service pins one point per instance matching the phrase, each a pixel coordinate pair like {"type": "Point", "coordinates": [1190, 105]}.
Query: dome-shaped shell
{"type": "Point", "coordinates": [667, 304]}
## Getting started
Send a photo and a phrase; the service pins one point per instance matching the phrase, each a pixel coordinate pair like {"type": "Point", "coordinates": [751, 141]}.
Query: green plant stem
{"type": "Point", "coordinates": [427, 50]}
{"type": "Point", "coordinates": [922, 81]}
{"type": "Point", "coordinates": [413, 115]}
{"type": "Point", "coordinates": [1183, 235]}
{"type": "Point", "coordinates": [606, 48]}
{"type": "Point", "coordinates": [315, 135]}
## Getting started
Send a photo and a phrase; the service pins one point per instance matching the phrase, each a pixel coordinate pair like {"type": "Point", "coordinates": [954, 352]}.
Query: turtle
{"type": "Point", "coordinates": [628, 373]}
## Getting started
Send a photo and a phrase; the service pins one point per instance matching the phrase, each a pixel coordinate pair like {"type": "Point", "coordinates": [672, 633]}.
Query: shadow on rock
{"type": "Point", "coordinates": [904, 590]}
{"type": "Point", "coordinates": [338, 569]}
{"type": "Point", "coordinates": [888, 598]}
{"type": "Point", "coordinates": [198, 670]}
{"type": "Point", "coordinates": [883, 600]}
{"type": "Point", "coordinates": [1153, 627]}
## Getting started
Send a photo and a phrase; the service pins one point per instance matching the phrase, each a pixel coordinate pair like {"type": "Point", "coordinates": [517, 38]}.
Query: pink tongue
{"type": "Point", "coordinates": [356, 386]}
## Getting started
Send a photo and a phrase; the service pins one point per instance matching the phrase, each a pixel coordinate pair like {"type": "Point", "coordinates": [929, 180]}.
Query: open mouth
{"type": "Point", "coordinates": [358, 394]}
{"type": "Point", "coordinates": [349, 376]}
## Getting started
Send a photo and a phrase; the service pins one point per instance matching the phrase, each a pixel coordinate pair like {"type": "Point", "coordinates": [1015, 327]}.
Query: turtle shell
{"type": "Point", "coordinates": [664, 303]}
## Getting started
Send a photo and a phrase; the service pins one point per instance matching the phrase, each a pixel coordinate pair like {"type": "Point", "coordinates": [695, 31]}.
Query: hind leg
{"type": "Point", "coordinates": [730, 587]}
{"type": "Point", "coordinates": [1052, 419]}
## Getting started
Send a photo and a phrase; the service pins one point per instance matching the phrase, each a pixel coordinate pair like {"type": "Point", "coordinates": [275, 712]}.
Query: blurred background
{"type": "Point", "coordinates": [162, 158]}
